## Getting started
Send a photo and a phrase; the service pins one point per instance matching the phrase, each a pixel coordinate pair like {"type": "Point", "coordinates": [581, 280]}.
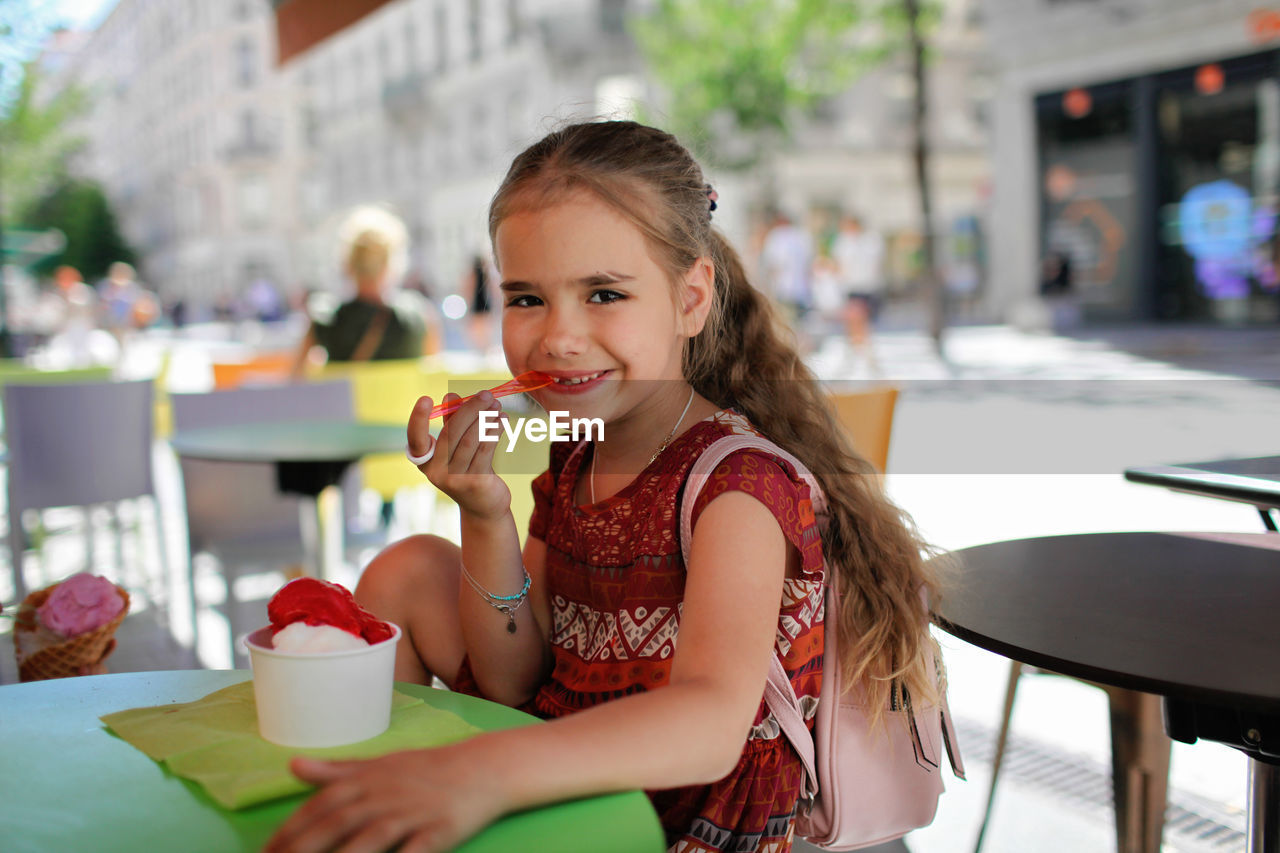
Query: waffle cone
{"type": "Point", "coordinates": [44, 654]}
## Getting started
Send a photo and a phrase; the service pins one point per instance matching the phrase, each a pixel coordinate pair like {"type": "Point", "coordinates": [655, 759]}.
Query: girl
{"type": "Point", "coordinates": [615, 283]}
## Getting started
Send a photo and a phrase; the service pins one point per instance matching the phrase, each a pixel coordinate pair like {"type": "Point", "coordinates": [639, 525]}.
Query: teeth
{"type": "Point", "coordinates": [578, 380]}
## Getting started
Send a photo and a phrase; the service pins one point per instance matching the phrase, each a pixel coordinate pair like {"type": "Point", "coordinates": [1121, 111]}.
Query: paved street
{"type": "Point", "coordinates": [1015, 435]}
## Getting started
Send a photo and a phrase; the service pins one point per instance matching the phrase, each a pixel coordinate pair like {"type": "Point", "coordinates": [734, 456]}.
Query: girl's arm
{"type": "Point", "coordinates": [508, 666]}
{"type": "Point", "coordinates": [690, 732]}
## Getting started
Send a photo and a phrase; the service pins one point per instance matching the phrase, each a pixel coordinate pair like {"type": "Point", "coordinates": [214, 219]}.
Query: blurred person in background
{"type": "Point", "coordinates": [382, 320]}
{"type": "Point", "coordinates": [76, 315]}
{"type": "Point", "coordinates": [263, 300]}
{"type": "Point", "coordinates": [116, 295]}
{"type": "Point", "coordinates": [858, 255]}
{"type": "Point", "coordinates": [786, 261]}
{"type": "Point", "coordinates": [478, 285]}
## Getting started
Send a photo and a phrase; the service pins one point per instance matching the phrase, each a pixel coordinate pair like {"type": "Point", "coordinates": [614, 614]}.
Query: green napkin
{"type": "Point", "coordinates": [214, 742]}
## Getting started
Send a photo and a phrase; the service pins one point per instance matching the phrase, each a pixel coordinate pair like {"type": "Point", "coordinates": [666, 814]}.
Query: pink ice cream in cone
{"type": "Point", "coordinates": [69, 628]}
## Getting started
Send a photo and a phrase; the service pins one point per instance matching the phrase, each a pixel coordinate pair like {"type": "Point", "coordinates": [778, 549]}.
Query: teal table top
{"type": "Point", "coordinates": [70, 784]}
{"type": "Point", "coordinates": [290, 441]}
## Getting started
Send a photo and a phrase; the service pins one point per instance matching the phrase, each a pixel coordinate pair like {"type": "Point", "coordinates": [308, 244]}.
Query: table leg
{"type": "Point", "coordinates": [311, 521]}
{"type": "Point", "coordinates": [322, 522]}
{"type": "Point", "coordinates": [1264, 807]}
{"type": "Point", "coordinates": [1267, 520]}
{"type": "Point", "coordinates": [1139, 769]}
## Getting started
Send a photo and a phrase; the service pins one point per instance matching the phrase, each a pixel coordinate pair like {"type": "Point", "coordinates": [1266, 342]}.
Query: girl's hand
{"type": "Point", "coordinates": [426, 800]}
{"type": "Point", "coordinates": [462, 465]}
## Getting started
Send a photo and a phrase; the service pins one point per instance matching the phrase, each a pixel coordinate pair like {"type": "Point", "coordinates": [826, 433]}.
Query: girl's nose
{"type": "Point", "coordinates": [564, 333]}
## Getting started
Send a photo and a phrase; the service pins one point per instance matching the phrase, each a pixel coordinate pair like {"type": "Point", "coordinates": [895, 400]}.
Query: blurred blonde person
{"type": "Point", "coordinates": [858, 255]}
{"type": "Point", "coordinates": [382, 320]}
{"type": "Point", "coordinates": [117, 294]}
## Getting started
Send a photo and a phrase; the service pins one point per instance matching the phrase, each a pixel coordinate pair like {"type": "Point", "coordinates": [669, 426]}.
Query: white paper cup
{"type": "Point", "coordinates": [322, 698]}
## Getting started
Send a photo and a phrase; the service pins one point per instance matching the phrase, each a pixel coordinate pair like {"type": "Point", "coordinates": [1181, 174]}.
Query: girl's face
{"type": "Point", "coordinates": [584, 302]}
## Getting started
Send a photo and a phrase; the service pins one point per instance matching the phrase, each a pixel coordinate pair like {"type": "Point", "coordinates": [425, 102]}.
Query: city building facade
{"type": "Point", "coordinates": [227, 166]}
{"type": "Point", "coordinates": [1138, 144]}
{"type": "Point", "coordinates": [188, 133]}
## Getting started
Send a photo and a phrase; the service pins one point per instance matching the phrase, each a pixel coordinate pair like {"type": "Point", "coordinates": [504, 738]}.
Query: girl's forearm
{"type": "Point", "coordinates": [507, 665]}
{"type": "Point", "coordinates": [679, 735]}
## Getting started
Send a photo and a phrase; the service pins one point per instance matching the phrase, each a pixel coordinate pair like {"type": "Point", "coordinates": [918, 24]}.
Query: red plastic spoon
{"type": "Point", "coordinates": [530, 380]}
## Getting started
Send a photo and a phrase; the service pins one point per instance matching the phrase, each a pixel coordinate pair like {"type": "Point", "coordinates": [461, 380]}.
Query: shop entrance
{"type": "Point", "coordinates": [1218, 139]}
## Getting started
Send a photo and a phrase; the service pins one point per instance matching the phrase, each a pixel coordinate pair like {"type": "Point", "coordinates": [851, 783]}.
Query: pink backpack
{"type": "Point", "coordinates": [862, 787]}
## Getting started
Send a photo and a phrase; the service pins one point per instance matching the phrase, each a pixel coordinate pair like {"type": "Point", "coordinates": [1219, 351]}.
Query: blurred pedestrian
{"type": "Point", "coordinates": [76, 320]}
{"type": "Point", "coordinates": [858, 253]}
{"type": "Point", "coordinates": [116, 295]}
{"type": "Point", "coordinates": [382, 320]}
{"type": "Point", "coordinates": [786, 260]}
{"type": "Point", "coordinates": [478, 284]}
{"type": "Point", "coordinates": [124, 304]}
{"type": "Point", "coordinates": [264, 301]}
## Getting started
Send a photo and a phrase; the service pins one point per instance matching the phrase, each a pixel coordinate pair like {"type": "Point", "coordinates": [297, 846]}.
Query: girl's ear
{"type": "Point", "coordinates": [698, 291]}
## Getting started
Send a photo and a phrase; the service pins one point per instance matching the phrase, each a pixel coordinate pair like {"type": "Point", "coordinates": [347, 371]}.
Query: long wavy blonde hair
{"type": "Point", "coordinates": [744, 359]}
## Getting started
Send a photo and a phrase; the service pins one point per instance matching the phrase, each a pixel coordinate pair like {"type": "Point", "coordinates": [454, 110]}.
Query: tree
{"type": "Point", "coordinates": [80, 210]}
{"type": "Point", "coordinates": [916, 21]}
{"type": "Point", "coordinates": [36, 144]}
{"type": "Point", "coordinates": [739, 73]}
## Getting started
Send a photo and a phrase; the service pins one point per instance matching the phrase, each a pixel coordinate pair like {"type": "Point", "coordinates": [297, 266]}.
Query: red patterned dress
{"type": "Point", "coordinates": [615, 578]}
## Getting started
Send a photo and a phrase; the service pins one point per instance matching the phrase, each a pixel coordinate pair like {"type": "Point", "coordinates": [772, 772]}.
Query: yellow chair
{"type": "Point", "coordinates": [383, 391]}
{"type": "Point", "coordinates": [163, 406]}
{"type": "Point", "coordinates": [867, 415]}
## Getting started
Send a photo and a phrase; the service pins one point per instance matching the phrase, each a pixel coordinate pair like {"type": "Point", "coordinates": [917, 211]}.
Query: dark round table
{"type": "Point", "coordinates": [1193, 618]}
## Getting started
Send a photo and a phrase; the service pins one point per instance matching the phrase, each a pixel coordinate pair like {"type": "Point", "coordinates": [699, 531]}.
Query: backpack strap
{"type": "Point", "coordinates": [778, 692]}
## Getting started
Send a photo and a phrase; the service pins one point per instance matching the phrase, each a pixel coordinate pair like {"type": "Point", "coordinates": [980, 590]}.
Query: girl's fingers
{"type": "Point", "coordinates": [482, 461]}
{"type": "Point", "coordinates": [381, 834]}
{"type": "Point", "coordinates": [425, 840]}
{"type": "Point", "coordinates": [319, 772]}
{"type": "Point", "coordinates": [421, 442]}
{"type": "Point", "coordinates": [463, 428]}
{"type": "Point", "coordinates": [327, 815]}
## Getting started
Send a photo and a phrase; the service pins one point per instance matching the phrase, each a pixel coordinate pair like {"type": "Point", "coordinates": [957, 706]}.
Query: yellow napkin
{"type": "Point", "coordinates": [214, 742]}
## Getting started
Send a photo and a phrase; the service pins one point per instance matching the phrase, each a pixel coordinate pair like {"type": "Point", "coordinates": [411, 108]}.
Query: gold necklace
{"type": "Point", "coordinates": [591, 481]}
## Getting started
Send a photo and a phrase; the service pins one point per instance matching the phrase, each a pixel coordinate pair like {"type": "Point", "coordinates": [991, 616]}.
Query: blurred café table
{"type": "Point", "coordinates": [310, 458]}
{"type": "Point", "coordinates": [71, 784]}
{"type": "Point", "coordinates": [1188, 617]}
{"type": "Point", "coordinates": [1254, 481]}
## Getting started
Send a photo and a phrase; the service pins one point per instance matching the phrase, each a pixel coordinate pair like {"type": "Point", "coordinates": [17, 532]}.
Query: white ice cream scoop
{"type": "Point", "coordinates": [303, 638]}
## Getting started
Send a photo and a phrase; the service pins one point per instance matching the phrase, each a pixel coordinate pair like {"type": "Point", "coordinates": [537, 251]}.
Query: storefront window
{"type": "Point", "coordinates": [1219, 155]}
{"type": "Point", "coordinates": [1087, 191]}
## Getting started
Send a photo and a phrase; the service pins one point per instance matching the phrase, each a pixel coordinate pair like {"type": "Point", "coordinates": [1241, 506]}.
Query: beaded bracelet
{"type": "Point", "coordinates": [502, 603]}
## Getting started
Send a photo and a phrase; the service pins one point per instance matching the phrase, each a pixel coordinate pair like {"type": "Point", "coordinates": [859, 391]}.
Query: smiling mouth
{"type": "Point", "coordinates": [578, 380]}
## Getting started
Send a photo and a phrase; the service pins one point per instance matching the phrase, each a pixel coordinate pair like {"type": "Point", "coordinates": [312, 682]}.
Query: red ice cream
{"type": "Point", "coordinates": [317, 602]}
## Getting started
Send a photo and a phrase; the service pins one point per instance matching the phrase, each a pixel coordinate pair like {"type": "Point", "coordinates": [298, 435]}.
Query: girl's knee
{"type": "Point", "coordinates": [411, 566]}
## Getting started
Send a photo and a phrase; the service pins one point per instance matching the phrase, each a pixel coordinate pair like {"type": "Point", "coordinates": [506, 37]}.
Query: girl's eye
{"type": "Point", "coordinates": [522, 301]}
{"type": "Point", "coordinates": [605, 296]}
